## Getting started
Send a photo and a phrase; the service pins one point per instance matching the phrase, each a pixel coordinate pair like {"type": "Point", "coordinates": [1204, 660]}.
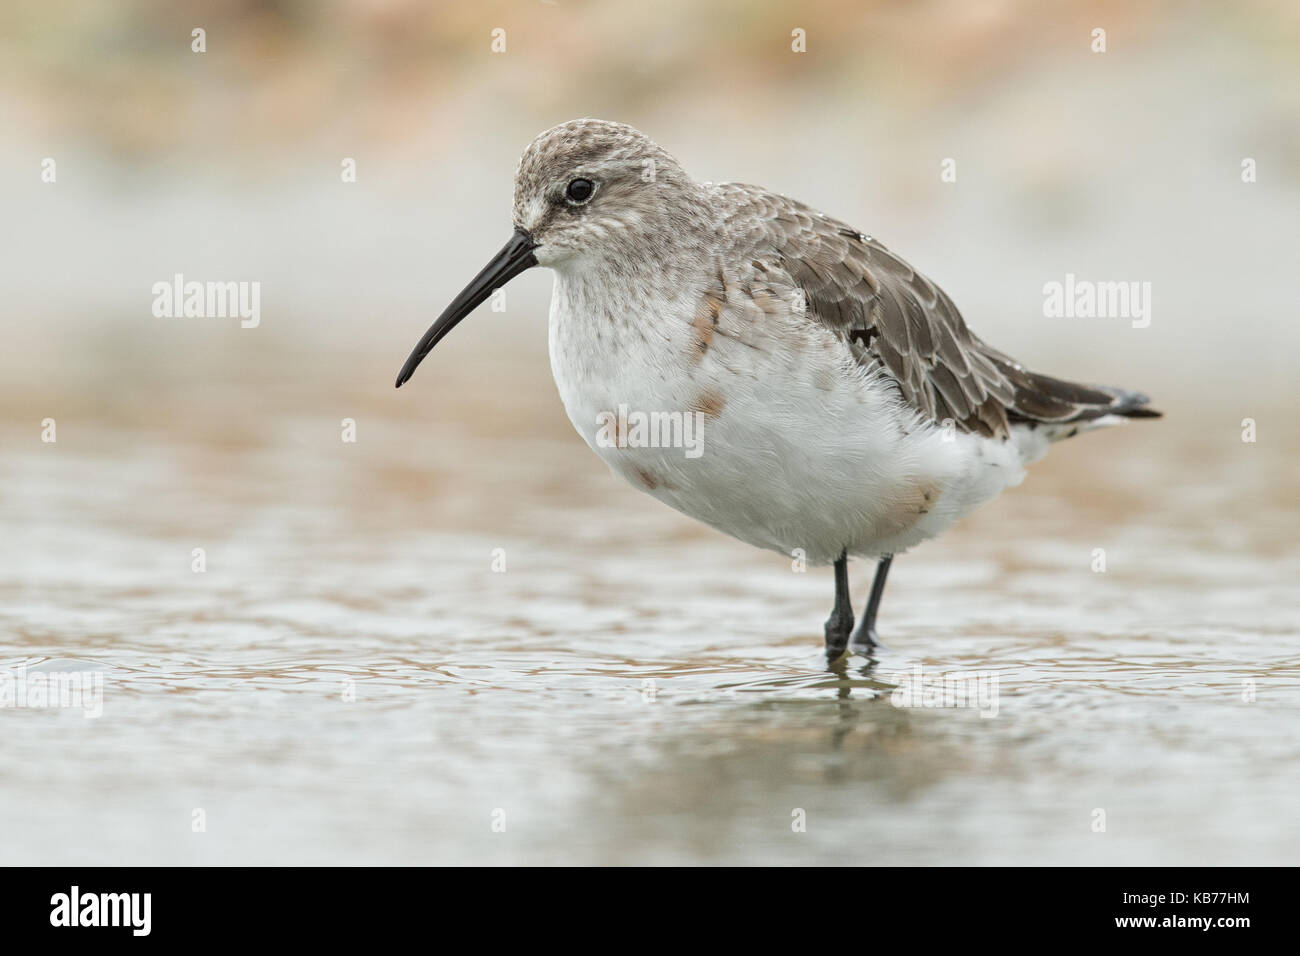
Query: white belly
{"type": "Point", "coordinates": [774, 436]}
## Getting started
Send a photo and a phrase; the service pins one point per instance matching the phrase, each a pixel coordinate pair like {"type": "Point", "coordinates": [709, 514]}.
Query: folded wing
{"type": "Point", "coordinates": [895, 318]}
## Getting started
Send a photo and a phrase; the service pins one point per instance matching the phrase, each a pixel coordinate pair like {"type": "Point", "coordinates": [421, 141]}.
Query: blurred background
{"type": "Point", "coordinates": [330, 561]}
{"type": "Point", "coordinates": [1120, 165]}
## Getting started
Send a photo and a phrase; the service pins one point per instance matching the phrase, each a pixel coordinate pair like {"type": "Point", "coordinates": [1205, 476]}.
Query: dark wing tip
{"type": "Point", "coordinates": [1142, 412]}
{"type": "Point", "coordinates": [1133, 405]}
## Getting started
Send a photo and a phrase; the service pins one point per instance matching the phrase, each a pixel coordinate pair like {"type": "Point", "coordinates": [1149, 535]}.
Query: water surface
{"type": "Point", "coordinates": [350, 681]}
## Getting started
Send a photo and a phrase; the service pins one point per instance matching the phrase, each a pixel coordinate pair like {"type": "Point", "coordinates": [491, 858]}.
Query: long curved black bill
{"type": "Point", "coordinates": [505, 265]}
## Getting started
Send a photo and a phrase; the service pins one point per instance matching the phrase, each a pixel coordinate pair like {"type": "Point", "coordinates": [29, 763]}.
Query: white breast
{"type": "Point", "coordinates": [769, 431]}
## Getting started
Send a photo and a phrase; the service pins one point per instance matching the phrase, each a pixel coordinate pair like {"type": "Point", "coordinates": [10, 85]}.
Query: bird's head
{"type": "Point", "coordinates": [589, 191]}
{"type": "Point", "coordinates": [589, 195]}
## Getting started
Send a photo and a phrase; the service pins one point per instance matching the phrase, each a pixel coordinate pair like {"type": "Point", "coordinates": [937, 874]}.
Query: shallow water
{"type": "Point", "coordinates": [632, 688]}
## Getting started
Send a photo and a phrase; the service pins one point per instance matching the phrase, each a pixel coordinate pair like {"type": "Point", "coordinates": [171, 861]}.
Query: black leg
{"type": "Point", "coordinates": [866, 636]}
{"type": "Point", "coordinates": [840, 624]}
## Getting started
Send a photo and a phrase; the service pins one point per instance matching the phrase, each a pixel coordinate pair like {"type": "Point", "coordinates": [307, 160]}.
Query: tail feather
{"type": "Point", "coordinates": [1132, 405]}
{"type": "Point", "coordinates": [1094, 401]}
{"type": "Point", "coordinates": [1043, 400]}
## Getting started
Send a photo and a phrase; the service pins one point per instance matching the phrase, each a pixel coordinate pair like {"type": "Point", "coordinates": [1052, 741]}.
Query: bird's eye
{"type": "Point", "coordinates": [579, 190]}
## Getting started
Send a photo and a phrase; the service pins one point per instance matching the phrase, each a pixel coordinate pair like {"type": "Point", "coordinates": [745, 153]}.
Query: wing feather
{"type": "Point", "coordinates": [891, 315]}
{"type": "Point", "coordinates": [896, 319]}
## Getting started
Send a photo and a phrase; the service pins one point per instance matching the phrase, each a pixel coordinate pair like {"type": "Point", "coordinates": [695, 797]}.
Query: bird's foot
{"type": "Point", "coordinates": [866, 641]}
{"type": "Point", "coordinates": [838, 628]}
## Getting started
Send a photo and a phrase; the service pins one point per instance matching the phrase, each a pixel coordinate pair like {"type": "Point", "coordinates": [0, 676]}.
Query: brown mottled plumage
{"type": "Point", "coordinates": [896, 318]}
